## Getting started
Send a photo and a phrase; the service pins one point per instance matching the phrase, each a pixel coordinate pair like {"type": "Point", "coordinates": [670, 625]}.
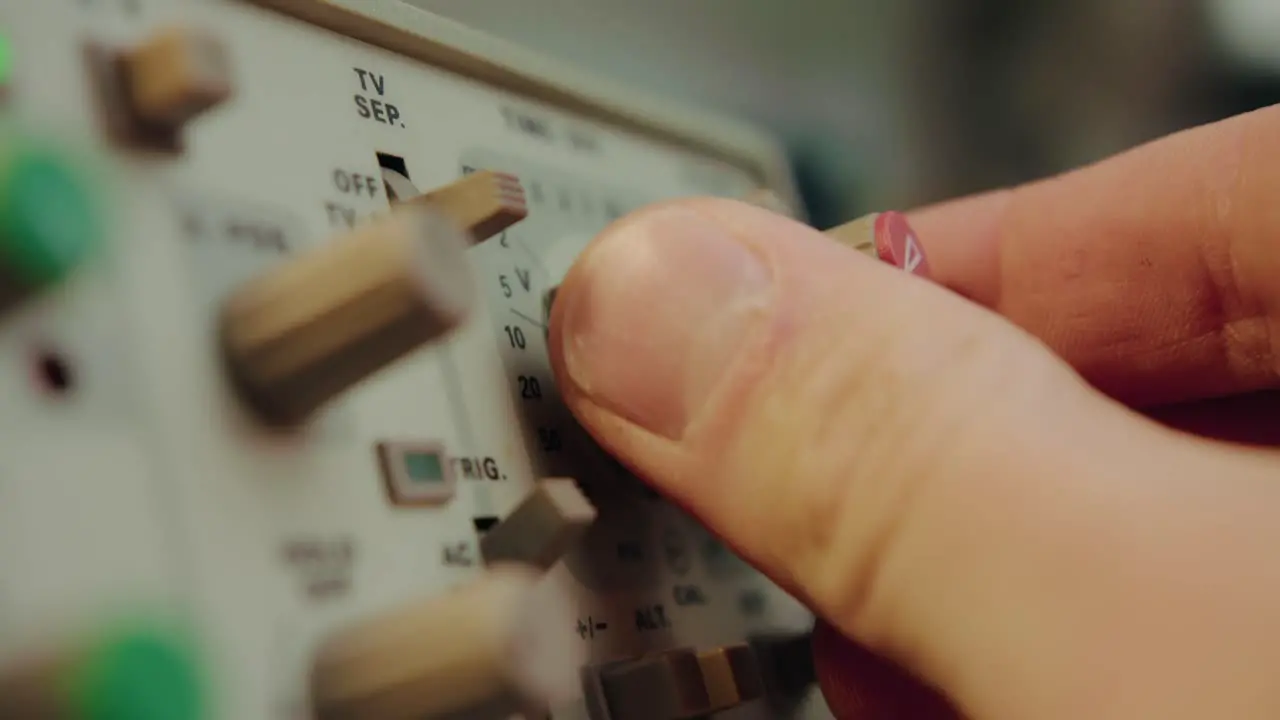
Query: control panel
{"type": "Point", "coordinates": [278, 434]}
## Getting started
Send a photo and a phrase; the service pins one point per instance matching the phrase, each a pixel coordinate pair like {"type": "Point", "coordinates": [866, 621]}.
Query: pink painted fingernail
{"type": "Point", "coordinates": [896, 244]}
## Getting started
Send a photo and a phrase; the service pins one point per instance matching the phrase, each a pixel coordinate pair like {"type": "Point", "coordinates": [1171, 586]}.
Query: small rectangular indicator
{"type": "Point", "coordinates": [416, 472]}
{"type": "Point", "coordinates": [424, 467]}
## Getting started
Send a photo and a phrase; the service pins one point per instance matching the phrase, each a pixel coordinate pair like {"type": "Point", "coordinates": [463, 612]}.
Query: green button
{"type": "Point", "coordinates": [137, 674]}
{"type": "Point", "coordinates": [48, 223]}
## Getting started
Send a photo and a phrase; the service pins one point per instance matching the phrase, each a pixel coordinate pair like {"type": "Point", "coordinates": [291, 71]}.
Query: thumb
{"type": "Point", "coordinates": [931, 480]}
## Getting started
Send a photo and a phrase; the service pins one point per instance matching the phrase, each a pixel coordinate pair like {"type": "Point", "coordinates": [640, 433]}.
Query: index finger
{"type": "Point", "coordinates": [1155, 273]}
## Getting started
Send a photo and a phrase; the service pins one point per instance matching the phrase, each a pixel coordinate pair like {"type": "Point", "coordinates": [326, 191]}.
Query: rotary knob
{"type": "Point", "coordinates": [887, 237]}
{"type": "Point", "coordinates": [150, 91]}
{"type": "Point", "coordinates": [491, 649]}
{"type": "Point", "coordinates": [176, 75]}
{"type": "Point", "coordinates": [312, 328]}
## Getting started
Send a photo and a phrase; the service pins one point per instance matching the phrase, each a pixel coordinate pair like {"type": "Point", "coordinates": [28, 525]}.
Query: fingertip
{"type": "Point", "coordinates": [962, 240]}
{"type": "Point", "coordinates": [655, 310]}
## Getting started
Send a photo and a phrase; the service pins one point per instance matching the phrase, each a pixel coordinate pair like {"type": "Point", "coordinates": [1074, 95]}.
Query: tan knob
{"type": "Point", "coordinates": [483, 203]}
{"type": "Point", "coordinates": [542, 528]}
{"type": "Point", "coordinates": [174, 76]}
{"type": "Point", "coordinates": [858, 234]}
{"type": "Point", "coordinates": [731, 676]}
{"type": "Point", "coordinates": [662, 686]}
{"type": "Point", "coordinates": [304, 332]}
{"type": "Point", "coordinates": [496, 647]}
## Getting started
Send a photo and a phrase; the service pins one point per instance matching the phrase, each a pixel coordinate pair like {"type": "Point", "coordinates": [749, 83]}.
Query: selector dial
{"type": "Point", "coordinates": [299, 335]}
{"type": "Point", "coordinates": [521, 271]}
{"type": "Point", "coordinates": [490, 649]}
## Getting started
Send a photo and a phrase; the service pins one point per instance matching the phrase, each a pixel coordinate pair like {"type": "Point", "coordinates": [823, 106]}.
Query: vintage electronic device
{"type": "Point", "coordinates": [278, 437]}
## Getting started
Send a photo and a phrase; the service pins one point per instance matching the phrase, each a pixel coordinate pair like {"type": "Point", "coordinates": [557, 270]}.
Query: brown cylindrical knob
{"type": "Point", "coordinates": [304, 332]}
{"type": "Point", "coordinates": [496, 647]}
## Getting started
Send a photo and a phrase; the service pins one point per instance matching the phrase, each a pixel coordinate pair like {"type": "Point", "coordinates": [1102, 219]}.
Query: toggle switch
{"type": "Point", "coordinates": [138, 672]}
{"type": "Point", "coordinates": [546, 524]}
{"type": "Point", "coordinates": [731, 676]}
{"type": "Point", "coordinates": [151, 91]}
{"type": "Point", "coordinates": [887, 237]}
{"type": "Point", "coordinates": [662, 686]}
{"type": "Point", "coordinates": [484, 203]}
{"type": "Point", "coordinates": [494, 648]}
{"type": "Point", "coordinates": [675, 684]}
{"type": "Point", "coordinates": [304, 332]}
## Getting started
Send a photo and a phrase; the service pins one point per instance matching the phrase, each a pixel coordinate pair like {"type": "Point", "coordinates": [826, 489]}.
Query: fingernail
{"type": "Point", "coordinates": [896, 243]}
{"type": "Point", "coordinates": [668, 300]}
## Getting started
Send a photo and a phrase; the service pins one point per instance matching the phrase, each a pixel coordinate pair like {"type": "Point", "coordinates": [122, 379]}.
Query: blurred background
{"type": "Point", "coordinates": [894, 103]}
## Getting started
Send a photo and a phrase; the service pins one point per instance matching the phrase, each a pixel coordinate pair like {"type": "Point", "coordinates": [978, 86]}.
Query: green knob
{"type": "Point", "coordinates": [136, 673]}
{"type": "Point", "coordinates": [48, 222]}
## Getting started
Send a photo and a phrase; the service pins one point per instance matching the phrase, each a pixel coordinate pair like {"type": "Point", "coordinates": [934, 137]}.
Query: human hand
{"type": "Point", "coordinates": [957, 487]}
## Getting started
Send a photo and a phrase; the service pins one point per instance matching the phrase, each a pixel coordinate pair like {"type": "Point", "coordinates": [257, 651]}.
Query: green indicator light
{"type": "Point", "coordinates": [6, 60]}
{"type": "Point", "coordinates": [48, 223]}
{"type": "Point", "coordinates": [424, 467]}
{"type": "Point", "coordinates": [137, 674]}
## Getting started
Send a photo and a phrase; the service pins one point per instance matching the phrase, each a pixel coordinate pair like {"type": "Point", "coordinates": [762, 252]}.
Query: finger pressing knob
{"type": "Point", "coordinates": [312, 328]}
{"type": "Point", "coordinates": [886, 236]}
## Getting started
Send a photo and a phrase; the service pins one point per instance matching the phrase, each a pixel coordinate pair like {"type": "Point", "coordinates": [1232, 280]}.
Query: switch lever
{"type": "Point", "coordinates": [542, 528]}
{"type": "Point", "coordinates": [483, 203]}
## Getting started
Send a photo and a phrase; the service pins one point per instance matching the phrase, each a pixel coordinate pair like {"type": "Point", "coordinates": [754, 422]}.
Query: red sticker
{"type": "Point", "coordinates": [896, 244]}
